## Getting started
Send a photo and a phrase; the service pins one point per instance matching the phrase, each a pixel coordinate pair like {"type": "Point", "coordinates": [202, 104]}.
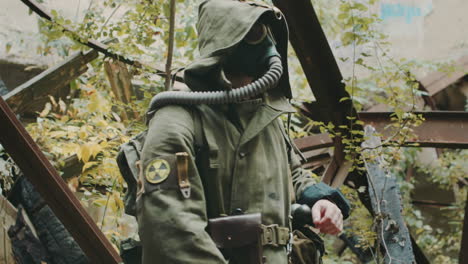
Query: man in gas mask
{"type": "Point", "coordinates": [222, 151]}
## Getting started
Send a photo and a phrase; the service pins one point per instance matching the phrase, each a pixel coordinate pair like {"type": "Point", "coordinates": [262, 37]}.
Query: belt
{"type": "Point", "coordinates": [274, 235]}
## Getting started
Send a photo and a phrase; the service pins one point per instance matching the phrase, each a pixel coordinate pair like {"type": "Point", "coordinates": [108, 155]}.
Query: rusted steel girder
{"type": "Point", "coordinates": [441, 129]}
{"type": "Point", "coordinates": [323, 75]}
{"type": "Point", "coordinates": [317, 60]}
{"type": "Point", "coordinates": [35, 166]}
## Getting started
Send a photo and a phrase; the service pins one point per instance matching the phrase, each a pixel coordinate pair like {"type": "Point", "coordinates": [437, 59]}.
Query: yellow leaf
{"type": "Point", "coordinates": [70, 148]}
{"type": "Point", "coordinates": [57, 134]}
{"type": "Point", "coordinates": [88, 151]}
{"type": "Point", "coordinates": [85, 153]}
{"type": "Point", "coordinates": [98, 104]}
{"type": "Point", "coordinates": [104, 144]}
{"type": "Point", "coordinates": [82, 134]}
{"type": "Point", "coordinates": [100, 202]}
{"type": "Point", "coordinates": [64, 119]}
{"type": "Point", "coordinates": [89, 165]}
{"type": "Point", "coordinates": [101, 123]}
{"type": "Point", "coordinates": [95, 149]}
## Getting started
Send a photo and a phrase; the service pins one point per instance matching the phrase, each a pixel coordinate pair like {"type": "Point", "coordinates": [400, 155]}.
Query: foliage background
{"type": "Point", "coordinates": [89, 122]}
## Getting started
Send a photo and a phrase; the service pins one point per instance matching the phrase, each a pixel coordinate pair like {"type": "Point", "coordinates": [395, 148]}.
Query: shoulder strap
{"type": "Point", "coordinates": [198, 127]}
{"type": "Point", "coordinates": [289, 142]}
{"type": "Point", "coordinates": [204, 153]}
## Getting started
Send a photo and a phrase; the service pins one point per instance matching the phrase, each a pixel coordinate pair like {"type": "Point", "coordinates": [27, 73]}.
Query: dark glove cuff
{"type": "Point", "coordinates": [321, 191]}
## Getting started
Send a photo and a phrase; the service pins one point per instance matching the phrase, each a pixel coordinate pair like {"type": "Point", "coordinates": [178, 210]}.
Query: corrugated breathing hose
{"type": "Point", "coordinates": [267, 81]}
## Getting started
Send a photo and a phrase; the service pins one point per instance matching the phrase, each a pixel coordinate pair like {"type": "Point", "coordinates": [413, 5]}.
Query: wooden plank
{"type": "Point", "coordinates": [35, 166]}
{"type": "Point", "coordinates": [121, 85]}
{"type": "Point", "coordinates": [341, 174]}
{"type": "Point", "coordinates": [8, 212]}
{"type": "Point", "coordinates": [316, 158]}
{"type": "Point", "coordinates": [22, 99]}
{"type": "Point", "coordinates": [120, 80]}
{"type": "Point", "coordinates": [312, 142]}
{"type": "Point", "coordinates": [330, 171]}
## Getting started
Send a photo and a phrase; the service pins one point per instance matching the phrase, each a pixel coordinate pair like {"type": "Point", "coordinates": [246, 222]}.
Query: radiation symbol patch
{"type": "Point", "coordinates": [157, 171]}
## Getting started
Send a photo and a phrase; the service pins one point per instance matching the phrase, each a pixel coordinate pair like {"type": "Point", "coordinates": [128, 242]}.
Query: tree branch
{"type": "Point", "coordinates": [170, 46]}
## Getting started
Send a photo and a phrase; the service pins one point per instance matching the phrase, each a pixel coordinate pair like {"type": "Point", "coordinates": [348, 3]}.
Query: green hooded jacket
{"type": "Point", "coordinates": [249, 164]}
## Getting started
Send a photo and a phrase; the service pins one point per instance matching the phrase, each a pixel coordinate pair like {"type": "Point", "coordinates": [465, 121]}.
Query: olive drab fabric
{"type": "Point", "coordinates": [247, 170]}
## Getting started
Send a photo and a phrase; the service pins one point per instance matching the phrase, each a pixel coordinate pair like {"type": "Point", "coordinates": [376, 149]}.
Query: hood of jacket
{"type": "Point", "coordinates": [221, 26]}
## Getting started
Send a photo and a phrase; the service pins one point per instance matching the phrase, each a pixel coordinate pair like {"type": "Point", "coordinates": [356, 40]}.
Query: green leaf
{"type": "Point", "coordinates": [7, 47]}
{"type": "Point", "coordinates": [54, 13]}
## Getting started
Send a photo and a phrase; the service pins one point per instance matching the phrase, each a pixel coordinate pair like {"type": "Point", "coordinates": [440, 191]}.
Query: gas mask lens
{"type": "Point", "coordinates": [256, 34]}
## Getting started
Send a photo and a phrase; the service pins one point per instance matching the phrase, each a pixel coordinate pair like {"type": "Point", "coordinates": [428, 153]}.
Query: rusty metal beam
{"type": "Point", "coordinates": [441, 129]}
{"type": "Point", "coordinates": [313, 142]}
{"type": "Point", "coordinates": [317, 60]}
{"type": "Point", "coordinates": [323, 75]}
{"type": "Point", "coordinates": [35, 166]}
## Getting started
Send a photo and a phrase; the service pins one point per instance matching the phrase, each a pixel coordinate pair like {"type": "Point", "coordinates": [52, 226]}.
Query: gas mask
{"type": "Point", "coordinates": [255, 55]}
{"type": "Point", "coordinates": [252, 54]}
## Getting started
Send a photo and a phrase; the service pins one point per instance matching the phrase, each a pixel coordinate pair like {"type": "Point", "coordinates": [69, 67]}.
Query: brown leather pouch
{"type": "Point", "coordinates": [239, 233]}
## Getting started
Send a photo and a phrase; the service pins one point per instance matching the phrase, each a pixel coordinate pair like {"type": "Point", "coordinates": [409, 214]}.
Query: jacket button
{"type": "Point", "coordinates": [242, 154]}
